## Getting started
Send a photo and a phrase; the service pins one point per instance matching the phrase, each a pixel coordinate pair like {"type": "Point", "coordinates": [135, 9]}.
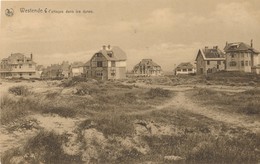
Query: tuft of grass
{"type": "Point", "coordinates": [158, 92]}
{"type": "Point", "coordinates": [61, 111]}
{"type": "Point", "coordinates": [12, 109]}
{"type": "Point", "coordinates": [246, 102]}
{"type": "Point", "coordinates": [251, 108]}
{"type": "Point", "coordinates": [45, 147]}
{"type": "Point", "coordinates": [19, 90]}
{"type": "Point", "coordinates": [114, 124]}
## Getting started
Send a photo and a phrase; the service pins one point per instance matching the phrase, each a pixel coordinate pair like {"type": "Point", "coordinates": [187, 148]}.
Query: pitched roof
{"type": "Point", "coordinates": [18, 58]}
{"type": "Point", "coordinates": [239, 46]}
{"type": "Point", "coordinates": [117, 53]}
{"type": "Point", "coordinates": [87, 63]}
{"type": "Point", "coordinates": [185, 66]}
{"type": "Point", "coordinates": [211, 54]}
{"type": "Point", "coordinates": [147, 62]}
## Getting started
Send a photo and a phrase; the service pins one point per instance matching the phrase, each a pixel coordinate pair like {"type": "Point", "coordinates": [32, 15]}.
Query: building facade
{"type": "Point", "coordinates": [76, 69]}
{"type": "Point", "coordinates": [107, 64]}
{"type": "Point", "coordinates": [241, 57]}
{"type": "Point", "coordinates": [17, 65]}
{"type": "Point", "coordinates": [210, 60]}
{"type": "Point", "coordinates": [147, 67]}
{"type": "Point", "coordinates": [184, 69]}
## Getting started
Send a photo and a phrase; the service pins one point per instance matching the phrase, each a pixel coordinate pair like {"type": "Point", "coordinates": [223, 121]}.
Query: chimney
{"type": "Point", "coordinates": [31, 56]}
{"type": "Point", "coordinates": [252, 43]}
{"type": "Point", "coordinates": [104, 47]}
{"type": "Point", "coordinates": [206, 47]}
{"type": "Point", "coordinates": [226, 43]}
{"type": "Point", "coordinates": [108, 47]}
{"type": "Point", "coordinates": [215, 47]}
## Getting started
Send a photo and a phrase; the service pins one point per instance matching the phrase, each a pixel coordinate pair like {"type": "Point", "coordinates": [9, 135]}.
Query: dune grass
{"type": "Point", "coordinates": [246, 102]}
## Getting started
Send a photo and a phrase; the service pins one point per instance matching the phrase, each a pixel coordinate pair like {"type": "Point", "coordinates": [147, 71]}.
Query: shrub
{"type": "Point", "coordinates": [251, 108]}
{"type": "Point", "coordinates": [45, 147]}
{"type": "Point", "coordinates": [84, 88]}
{"type": "Point", "coordinates": [61, 111]}
{"type": "Point", "coordinates": [19, 90]}
{"type": "Point", "coordinates": [115, 124]}
{"type": "Point", "coordinates": [252, 92]}
{"type": "Point", "coordinates": [73, 81]}
{"type": "Point", "coordinates": [158, 92]}
{"type": "Point", "coordinates": [12, 109]}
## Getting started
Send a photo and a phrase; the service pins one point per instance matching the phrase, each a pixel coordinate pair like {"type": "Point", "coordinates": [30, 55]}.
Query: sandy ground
{"type": "Point", "coordinates": [180, 101]}
{"type": "Point", "coordinates": [68, 125]}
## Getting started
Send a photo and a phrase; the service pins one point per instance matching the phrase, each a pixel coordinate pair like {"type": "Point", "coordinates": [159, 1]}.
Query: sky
{"type": "Point", "coordinates": [167, 31]}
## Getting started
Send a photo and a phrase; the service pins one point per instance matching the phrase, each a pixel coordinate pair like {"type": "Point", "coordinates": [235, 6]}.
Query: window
{"type": "Point", "coordinates": [30, 74]}
{"type": "Point", "coordinates": [242, 55]}
{"type": "Point", "coordinates": [99, 64]}
{"type": "Point", "coordinates": [189, 69]}
{"type": "Point", "coordinates": [21, 74]}
{"type": "Point", "coordinates": [113, 63]}
{"type": "Point", "coordinates": [219, 62]}
{"type": "Point", "coordinates": [242, 63]}
{"type": "Point", "coordinates": [30, 65]}
{"type": "Point", "coordinates": [99, 74]}
{"type": "Point", "coordinates": [113, 74]}
{"type": "Point", "coordinates": [246, 63]}
{"type": "Point", "coordinates": [99, 55]}
{"type": "Point", "coordinates": [179, 70]}
{"type": "Point", "coordinates": [232, 64]}
{"type": "Point", "coordinates": [232, 55]}
{"type": "Point", "coordinates": [20, 66]}
{"type": "Point", "coordinates": [208, 62]}
{"type": "Point", "coordinates": [184, 70]}
{"type": "Point", "coordinates": [110, 54]}
{"type": "Point", "coordinates": [249, 63]}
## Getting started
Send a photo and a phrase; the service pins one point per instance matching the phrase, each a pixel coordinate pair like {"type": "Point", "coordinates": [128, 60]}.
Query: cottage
{"type": "Point", "coordinates": [18, 66]}
{"type": "Point", "coordinates": [76, 69]}
{"type": "Point", "coordinates": [54, 71]}
{"type": "Point", "coordinates": [147, 67]}
{"type": "Point", "coordinates": [108, 63]}
{"type": "Point", "coordinates": [241, 57]}
{"type": "Point", "coordinates": [184, 69]}
{"type": "Point", "coordinates": [210, 60]}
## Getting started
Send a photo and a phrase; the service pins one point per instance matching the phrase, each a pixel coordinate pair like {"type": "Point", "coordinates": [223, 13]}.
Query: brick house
{"type": "Point", "coordinates": [184, 69]}
{"type": "Point", "coordinates": [147, 67]}
{"type": "Point", "coordinates": [241, 57]}
{"type": "Point", "coordinates": [210, 60]}
{"type": "Point", "coordinates": [17, 65]}
{"type": "Point", "coordinates": [108, 63]}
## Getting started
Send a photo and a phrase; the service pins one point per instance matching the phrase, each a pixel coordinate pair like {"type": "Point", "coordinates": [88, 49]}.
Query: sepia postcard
{"type": "Point", "coordinates": [130, 81]}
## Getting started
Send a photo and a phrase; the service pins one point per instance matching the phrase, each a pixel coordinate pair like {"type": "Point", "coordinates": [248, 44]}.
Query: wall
{"type": "Point", "coordinates": [185, 72]}
{"type": "Point", "coordinates": [238, 57]}
{"type": "Point", "coordinates": [215, 65]}
{"type": "Point", "coordinates": [200, 64]}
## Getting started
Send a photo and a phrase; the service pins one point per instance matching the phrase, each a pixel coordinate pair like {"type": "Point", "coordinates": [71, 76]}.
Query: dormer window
{"type": "Point", "coordinates": [110, 54]}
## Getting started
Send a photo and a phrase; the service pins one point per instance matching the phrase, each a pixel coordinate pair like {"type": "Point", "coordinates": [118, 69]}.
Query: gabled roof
{"type": "Point", "coordinates": [239, 46]}
{"type": "Point", "coordinates": [87, 64]}
{"type": "Point", "coordinates": [117, 53]}
{"type": "Point", "coordinates": [148, 62]}
{"type": "Point", "coordinates": [13, 59]}
{"type": "Point", "coordinates": [185, 66]}
{"type": "Point", "coordinates": [211, 54]}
